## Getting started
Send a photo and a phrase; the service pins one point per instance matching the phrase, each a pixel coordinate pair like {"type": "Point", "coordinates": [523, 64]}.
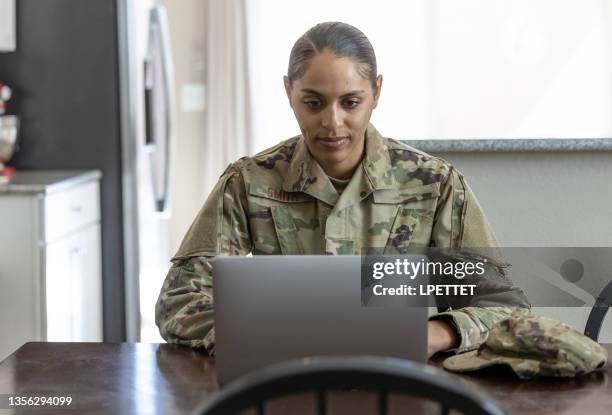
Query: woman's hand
{"type": "Point", "coordinates": [440, 337]}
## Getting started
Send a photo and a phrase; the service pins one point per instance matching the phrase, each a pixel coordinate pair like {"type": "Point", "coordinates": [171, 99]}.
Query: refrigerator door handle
{"type": "Point", "coordinates": [148, 104]}
{"type": "Point", "coordinates": [159, 96]}
{"type": "Point", "coordinates": [164, 30]}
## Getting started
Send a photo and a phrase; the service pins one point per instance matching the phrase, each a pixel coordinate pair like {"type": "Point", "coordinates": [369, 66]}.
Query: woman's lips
{"type": "Point", "coordinates": [333, 143]}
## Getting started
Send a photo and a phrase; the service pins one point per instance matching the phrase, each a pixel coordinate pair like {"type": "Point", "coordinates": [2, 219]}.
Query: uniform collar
{"type": "Point", "coordinates": [306, 175]}
{"type": "Point", "coordinates": [377, 161]}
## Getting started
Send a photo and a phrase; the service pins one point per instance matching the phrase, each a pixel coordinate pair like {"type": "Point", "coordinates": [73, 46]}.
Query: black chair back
{"type": "Point", "coordinates": [598, 313]}
{"type": "Point", "coordinates": [323, 374]}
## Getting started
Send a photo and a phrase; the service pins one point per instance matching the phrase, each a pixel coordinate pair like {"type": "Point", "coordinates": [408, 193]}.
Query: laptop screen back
{"type": "Point", "coordinates": [274, 308]}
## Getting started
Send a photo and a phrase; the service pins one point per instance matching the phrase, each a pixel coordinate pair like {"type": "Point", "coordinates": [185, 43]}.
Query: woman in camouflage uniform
{"type": "Point", "coordinates": [335, 189]}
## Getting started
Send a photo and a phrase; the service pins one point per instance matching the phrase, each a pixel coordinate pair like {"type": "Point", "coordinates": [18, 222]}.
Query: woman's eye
{"type": "Point", "coordinates": [313, 104]}
{"type": "Point", "coordinates": [351, 103]}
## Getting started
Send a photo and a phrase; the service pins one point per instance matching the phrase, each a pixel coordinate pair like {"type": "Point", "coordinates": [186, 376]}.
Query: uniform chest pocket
{"type": "Point", "coordinates": [286, 231]}
{"type": "Point", "coordinates": [277, 220]}
{"type": "Point", "coordinates": [413, 213]}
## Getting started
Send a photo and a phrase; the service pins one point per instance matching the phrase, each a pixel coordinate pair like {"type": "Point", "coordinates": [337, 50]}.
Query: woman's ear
{"type": "Point", "coordinates": [287, 89]}
{"type": "Point", "coordinates": [379, 81]}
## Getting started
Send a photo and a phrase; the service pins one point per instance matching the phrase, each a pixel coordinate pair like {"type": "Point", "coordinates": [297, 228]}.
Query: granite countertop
{"type": "Point", "coordinates": [47, 181]}
{"type": "Point", "coordinates": [512, 145]}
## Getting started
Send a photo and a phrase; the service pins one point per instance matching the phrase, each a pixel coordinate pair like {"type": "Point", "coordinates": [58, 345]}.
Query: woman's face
{"type": "Point", "coordinates": [333, 103]}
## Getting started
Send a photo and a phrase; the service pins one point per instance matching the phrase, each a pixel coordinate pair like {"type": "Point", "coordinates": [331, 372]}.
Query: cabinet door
{"type": "Point", "coordinates": [74, 287]}
{"type": "Point", "coordinates": [20, 268]}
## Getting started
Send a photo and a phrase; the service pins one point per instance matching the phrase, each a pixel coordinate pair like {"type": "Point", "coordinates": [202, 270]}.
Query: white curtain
{"type": "Point", "coordinates": [228, 123]}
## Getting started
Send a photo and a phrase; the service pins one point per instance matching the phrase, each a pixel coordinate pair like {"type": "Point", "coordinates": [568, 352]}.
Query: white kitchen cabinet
{"type": "Point", "coordinates": [8, 23]}
{"type": "Point", "coordinates": [50, 258]}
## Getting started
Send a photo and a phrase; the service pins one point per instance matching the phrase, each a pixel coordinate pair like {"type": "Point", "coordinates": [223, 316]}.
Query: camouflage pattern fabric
{"type": "Point", "coordinates": [281, 202]}
{"type": "Point", "coordinates": [533, 346]}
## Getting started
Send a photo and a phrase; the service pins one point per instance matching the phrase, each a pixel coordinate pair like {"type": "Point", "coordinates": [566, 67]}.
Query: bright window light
{"type": "Point", "coordinates": [454, 69]}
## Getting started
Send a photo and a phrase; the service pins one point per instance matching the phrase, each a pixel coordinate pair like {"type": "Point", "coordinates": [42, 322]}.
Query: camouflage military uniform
{"type": "Point", "coordinates": [281, 202]}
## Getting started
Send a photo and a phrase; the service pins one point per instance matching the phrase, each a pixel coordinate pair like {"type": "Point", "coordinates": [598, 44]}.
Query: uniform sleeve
{"type": "Point", "coordinates": [184, 309]}
{"type": "Point", "coordinates": [461, 224]}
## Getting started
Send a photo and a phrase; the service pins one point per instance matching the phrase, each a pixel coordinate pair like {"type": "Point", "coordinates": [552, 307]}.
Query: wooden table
{"type": "Point", "coordinates": [141, 378]}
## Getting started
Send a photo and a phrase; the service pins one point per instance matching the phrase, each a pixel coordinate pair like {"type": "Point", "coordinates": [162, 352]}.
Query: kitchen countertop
{"type": "Point", "coordinates": [512, 145]}
{"type": "Point", "coordinates": [47, 181]}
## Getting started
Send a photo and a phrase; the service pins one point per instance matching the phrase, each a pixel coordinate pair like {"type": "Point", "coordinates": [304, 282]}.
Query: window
{"type": "Point", "coordinates": [454, 69]}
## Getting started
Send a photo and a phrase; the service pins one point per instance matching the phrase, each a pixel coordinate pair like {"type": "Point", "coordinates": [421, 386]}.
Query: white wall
{"type": "Point", "coordinates": [546, 199]}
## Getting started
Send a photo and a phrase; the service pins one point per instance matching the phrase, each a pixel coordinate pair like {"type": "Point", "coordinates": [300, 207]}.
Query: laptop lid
{"type": "Point", "coordinates": [274, 308]}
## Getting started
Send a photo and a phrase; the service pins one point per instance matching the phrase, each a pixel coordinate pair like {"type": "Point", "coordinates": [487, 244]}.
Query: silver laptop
{"type": "Point", "coordinates": [274, 308]}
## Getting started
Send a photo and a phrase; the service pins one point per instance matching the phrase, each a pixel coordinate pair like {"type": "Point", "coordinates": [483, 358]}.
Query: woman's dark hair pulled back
{"type": "Point", "coordinates": [342, 39]}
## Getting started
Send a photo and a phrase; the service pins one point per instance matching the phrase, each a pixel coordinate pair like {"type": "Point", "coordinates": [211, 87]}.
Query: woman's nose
{"type": "Point", "coordinates": [332, 117]}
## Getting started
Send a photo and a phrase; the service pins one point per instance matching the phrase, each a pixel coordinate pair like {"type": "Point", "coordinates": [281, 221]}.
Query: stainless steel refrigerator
{"type": "Point", "coordinates": [147, 94]}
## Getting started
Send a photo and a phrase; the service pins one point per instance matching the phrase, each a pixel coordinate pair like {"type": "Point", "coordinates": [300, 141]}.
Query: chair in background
{"type": "Point", "coordinates": [598, 313]}
{"type": "Point", "coordinates": [368, 373]}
